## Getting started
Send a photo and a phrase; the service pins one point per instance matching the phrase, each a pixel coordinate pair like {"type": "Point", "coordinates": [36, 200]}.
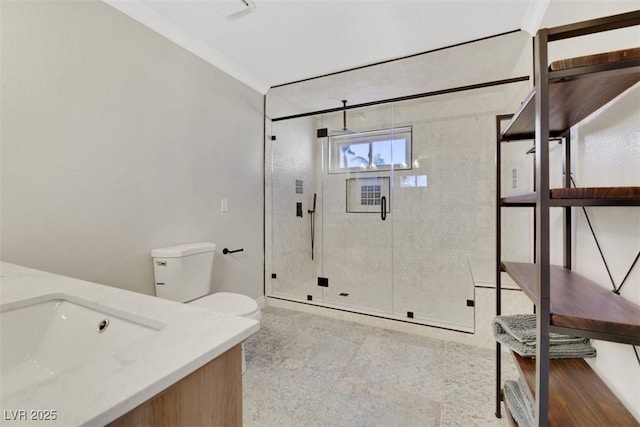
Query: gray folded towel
{"type": "Point", "coordinates": [520, 406]}
{"type": "Point", "coordinates": [518, 332]}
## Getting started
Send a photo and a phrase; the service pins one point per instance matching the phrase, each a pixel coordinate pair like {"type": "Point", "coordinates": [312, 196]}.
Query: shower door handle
{"type": "Point", "coordinates": [383, 208]}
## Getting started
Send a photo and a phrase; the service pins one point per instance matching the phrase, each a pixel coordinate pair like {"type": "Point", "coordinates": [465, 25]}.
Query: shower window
{"type": "Point", "coordinates": [371, 151]}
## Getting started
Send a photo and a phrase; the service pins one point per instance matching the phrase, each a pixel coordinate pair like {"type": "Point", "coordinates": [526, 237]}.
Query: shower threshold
{"type": "Point", "coordinates": [418, 321]}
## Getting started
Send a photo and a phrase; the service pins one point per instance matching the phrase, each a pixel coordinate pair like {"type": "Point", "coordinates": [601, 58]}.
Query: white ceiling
{"type": "Point", "coordinates": [283, 41]}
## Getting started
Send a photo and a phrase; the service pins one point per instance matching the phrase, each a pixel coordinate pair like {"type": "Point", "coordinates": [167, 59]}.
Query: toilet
{"type": "Point", "coordinates": [183, 273]}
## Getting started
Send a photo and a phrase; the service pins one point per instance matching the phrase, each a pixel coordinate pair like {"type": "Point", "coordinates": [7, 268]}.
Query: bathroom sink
{"type": "Point", "coordinates": [40, 339]}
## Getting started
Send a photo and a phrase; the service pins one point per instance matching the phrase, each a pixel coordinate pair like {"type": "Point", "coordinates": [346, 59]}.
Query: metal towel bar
{"type": "Point", "coordinates": [227, 251]}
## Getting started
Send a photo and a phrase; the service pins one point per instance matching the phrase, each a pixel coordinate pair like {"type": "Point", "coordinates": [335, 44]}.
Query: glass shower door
{"type": "Point", "coordinates": [443, 207]}
{"type": "Point", "coordinates": [356, 212]}
{"type": "Point", "coordinates": [292, 158]}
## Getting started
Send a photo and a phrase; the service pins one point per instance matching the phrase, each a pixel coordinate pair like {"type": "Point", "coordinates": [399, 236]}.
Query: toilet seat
{"type": "Point", "coordinates": [231, 303]}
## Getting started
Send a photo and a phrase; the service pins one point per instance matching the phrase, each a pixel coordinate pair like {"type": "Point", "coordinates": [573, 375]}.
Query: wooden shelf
{"type": "Point", "coordinates": [598, 59]}
{"type": "Point", "coordinates": [577, 396]}
{"type": "Point", "coordinates": [579, 306]}
{"type": "Point", "coordinates": [573, 95]}
{"type": "Point", "coordinates": [585, 196]}
{"type": "Point", "coordinates": [604, 193]}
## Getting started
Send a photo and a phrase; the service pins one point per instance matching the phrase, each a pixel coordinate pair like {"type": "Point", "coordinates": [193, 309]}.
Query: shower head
{"type": "Point", "coordinates": [345, 130]}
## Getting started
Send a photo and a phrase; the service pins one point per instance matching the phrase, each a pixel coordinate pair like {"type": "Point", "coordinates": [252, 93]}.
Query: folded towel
{"type": "Point", "coordinates": [522, 327]}
{"type": "Point", "coordinates": [516, 332]}
{"type": "Point", "coordinates": [520, 406]}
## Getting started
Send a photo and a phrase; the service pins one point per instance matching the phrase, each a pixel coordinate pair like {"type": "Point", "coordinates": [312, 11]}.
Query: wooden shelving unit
{"type": "Point", "coordinates": [577, 88]}
{"type": "Point", "coordinates": [571, 381]}
{"type": "Point", "coordinates": [580, 306]}
{"type": "Point", "coordinates": [567, 391]}
{"type": "Point", "coordinates": [585, 196]}
{"type": "Point", "coordinates": [570, 101]}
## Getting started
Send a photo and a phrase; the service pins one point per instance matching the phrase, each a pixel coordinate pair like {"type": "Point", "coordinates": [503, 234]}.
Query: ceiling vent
{"type": "Point", "coordinates": [232, 8]}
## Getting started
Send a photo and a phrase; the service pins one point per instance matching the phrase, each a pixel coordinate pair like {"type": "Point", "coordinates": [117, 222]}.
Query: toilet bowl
{"type": "Point", "coordinates": [183, 273]}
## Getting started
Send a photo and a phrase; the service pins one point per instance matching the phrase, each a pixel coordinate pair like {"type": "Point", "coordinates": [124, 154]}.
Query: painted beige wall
{"type": "Point", "coordinates": [116, 141]}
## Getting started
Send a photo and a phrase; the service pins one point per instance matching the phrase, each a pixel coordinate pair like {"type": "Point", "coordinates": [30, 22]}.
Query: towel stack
{"type": "Point", "coordinates": [518, 332]}
{"type": "Point", "coordinates": [519, 403]}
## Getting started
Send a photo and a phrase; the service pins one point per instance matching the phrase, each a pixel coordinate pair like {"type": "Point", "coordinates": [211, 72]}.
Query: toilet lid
{"type": "Point", "coordinates": [227, 302]}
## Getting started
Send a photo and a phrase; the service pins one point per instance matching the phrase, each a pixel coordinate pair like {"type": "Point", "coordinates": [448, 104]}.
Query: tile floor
{"type": "Point", "coordinates": [307, 370]}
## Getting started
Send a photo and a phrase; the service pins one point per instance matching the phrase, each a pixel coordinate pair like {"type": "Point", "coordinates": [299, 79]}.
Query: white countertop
{"type": "Point", "coordinates": [101, 390]}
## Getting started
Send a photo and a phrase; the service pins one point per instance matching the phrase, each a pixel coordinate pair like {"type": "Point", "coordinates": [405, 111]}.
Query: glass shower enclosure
{"type": "Point", "coordinates": [385, 205]}
{"type": "Point", "coordinates": [386, 213]}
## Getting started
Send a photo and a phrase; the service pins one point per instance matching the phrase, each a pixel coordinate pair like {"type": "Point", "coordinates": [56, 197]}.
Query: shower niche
{"type": "Point", "coordinates": [368, 195]}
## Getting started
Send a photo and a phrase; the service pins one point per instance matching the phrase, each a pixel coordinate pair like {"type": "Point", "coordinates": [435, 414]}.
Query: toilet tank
{"type": "Point", "coordinates": [183, 273]}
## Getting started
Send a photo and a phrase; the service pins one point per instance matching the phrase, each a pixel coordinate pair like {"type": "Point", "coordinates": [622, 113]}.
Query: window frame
{"type": "Point", "coordinates": [370, 137]}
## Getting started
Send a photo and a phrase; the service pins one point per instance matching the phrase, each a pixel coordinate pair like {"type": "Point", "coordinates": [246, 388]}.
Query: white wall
{"type": "Point", "coordinates": [115, 141]}
{"type": "Point", "coordinates": [607, 152]}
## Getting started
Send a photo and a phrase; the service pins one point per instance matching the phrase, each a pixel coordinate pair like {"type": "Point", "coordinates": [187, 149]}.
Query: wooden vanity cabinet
{"type": "Point", "coordinates": [209, 396]}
